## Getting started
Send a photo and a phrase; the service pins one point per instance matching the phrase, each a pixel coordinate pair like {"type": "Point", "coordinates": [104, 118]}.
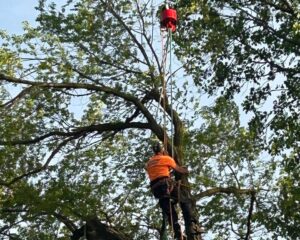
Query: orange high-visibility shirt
{"type": "Point", "coordinates": [159, 166]}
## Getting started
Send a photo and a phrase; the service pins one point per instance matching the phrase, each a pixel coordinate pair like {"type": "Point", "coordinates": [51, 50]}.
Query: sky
{"type": "Point", "coordinates": [14, 12]}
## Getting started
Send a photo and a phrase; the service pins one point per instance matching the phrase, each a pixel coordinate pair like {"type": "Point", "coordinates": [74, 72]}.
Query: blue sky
{"type": "Point", "coordinates": [14, 12]}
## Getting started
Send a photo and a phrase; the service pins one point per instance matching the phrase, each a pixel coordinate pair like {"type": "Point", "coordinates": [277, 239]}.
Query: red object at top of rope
{"type": "Point", "coordinates": [169, 19]}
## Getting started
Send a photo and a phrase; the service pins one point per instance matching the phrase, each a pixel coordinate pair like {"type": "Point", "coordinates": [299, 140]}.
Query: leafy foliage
{"type": "Point", "coordinates": [248, 47]}
{"type": "Point", "coordinates": [81, 100]}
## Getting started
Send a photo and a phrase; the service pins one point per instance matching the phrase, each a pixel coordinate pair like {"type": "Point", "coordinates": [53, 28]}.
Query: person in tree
{"type": "Point", "coordinates": [158, 168]}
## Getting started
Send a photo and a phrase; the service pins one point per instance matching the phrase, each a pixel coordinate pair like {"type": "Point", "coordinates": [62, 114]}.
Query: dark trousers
{"type": "Point", "coordinates": [162, 189]}
{"type": "Point", "coordinates": [168, 195]}
{"type": "Point", "coordinates": [168, 209]}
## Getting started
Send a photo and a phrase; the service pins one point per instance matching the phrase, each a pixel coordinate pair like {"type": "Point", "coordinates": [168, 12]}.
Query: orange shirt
{"type": "Point", "coordinates": [159, 166]}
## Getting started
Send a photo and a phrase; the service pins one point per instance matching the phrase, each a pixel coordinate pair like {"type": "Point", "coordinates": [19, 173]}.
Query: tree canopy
{"type": "Point", "coordinates": [81, 101]}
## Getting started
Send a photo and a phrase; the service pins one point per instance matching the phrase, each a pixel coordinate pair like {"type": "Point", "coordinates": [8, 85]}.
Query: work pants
{"type": "Point", "coordinates": [168, 209]}
{"type": "Point", "coordinates": [162, 189]}
{"type": "Point", "coordinates": [169, 194]}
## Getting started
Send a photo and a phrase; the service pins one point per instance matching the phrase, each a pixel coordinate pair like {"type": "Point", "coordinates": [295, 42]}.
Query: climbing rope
{"type": "Point", "coordinates": [166, 22]}
{"type": "Point", "coordinates": [163, 96]}
{"type": "Point", "coordinates": [165, 48]}
{"type": "Point", "coordinates": [171, 83]}
{"type": "Point", "coordinates": [84, 232]}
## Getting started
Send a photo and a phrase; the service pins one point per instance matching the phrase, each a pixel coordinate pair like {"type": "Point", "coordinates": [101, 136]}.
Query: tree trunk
{"type": "Point", "coordinates": [187, 203]}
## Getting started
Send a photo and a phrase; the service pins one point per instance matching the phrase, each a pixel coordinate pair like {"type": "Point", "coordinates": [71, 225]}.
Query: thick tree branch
{"type": "Point", "coordinates": [68, 223]}
{"type": "Point", "coordinates": [118, 126]}
{"type": "Point", "coordinates": [115, 92]}
{"type": "Point", "coordinates": [37, 139]}
{"type": "Point", "coordinates": [95, 229]}
{"type": "Point", "coordinates": [252, 200]}
{"type": "Point", "coordinates": [85, 86]}
{"type": "Point", "coordinates": [100, 128]}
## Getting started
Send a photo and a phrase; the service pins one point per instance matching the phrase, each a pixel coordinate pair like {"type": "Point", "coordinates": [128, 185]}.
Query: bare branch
{"type": "Point", "coordinates": [101, 61]}
{"type": "Point", "coordinates": [147, 39]}
{"type": "Point", "coordinates": [4, 228]}
{"type": "Point", "coordinates": [234, 174]}
{"type": "Point", "coordinates": [139, 45]}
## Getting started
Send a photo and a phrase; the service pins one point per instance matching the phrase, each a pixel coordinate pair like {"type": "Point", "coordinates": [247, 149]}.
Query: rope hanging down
{"type": "Point", "coordinates": [168, 23]}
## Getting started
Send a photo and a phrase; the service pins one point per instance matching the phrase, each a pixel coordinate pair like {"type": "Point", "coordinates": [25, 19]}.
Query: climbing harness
{"type": "Point", "coordinates": [163, 181]}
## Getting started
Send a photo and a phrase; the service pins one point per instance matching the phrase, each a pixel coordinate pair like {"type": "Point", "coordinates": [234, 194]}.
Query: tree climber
{"type": "Point", "coordinates": [158, 168]}
{"type": "Point", "coordinates": [168, 192]}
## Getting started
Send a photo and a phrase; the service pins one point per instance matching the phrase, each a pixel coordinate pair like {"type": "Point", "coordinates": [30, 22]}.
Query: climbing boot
{"type": "Point", "coordinates": [195, 231]}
